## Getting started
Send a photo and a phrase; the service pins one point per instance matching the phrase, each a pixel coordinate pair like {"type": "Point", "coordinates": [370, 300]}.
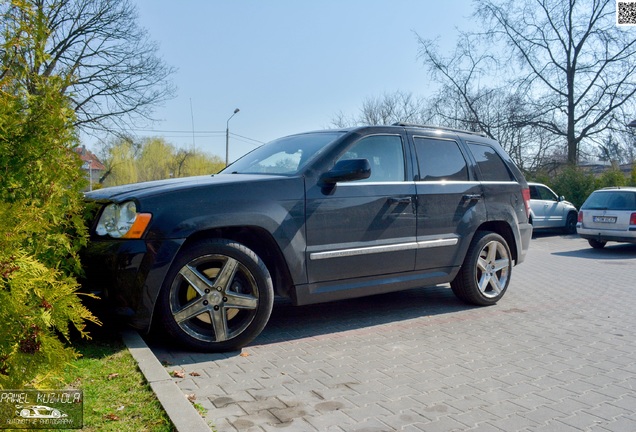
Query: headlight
{"type": "Point", "coordinates": [122, 221]}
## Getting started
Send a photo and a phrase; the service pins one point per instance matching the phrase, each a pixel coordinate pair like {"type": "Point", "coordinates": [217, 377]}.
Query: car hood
{"type": "Point", "coordinates": [157, 187]}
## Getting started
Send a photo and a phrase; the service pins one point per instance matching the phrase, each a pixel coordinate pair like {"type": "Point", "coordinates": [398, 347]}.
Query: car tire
{"type": "Point", "coordinates": [570, 223]}
{"type": "Point", "coordinates": [597, 244]}
{"type": "Point", "coordinates": [485, 273]}
{"type": "Point", "coordinates": [217, 296]}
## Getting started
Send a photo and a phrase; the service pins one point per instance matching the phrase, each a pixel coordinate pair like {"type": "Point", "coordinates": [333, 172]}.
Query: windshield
{"type": "Point", "coordinates": [285, 156]}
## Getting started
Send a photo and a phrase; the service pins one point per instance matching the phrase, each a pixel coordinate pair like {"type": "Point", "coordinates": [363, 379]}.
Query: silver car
{"type": "Point", "coordinates": [548, 210]}
{"type": "Point", "coordinates": [608, 214]}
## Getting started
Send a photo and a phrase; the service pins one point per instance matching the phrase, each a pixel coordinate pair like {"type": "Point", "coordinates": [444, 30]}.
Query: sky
{"type": "Point", "coordinates": [289, 65]}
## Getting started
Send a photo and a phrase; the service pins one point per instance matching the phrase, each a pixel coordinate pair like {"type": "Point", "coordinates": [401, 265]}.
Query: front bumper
{"type": "Point", "coordinates": [128, 275]}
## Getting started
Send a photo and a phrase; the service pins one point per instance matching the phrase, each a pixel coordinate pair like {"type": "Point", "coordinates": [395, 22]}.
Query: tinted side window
{"type": "Point", "coordinates": [384, 153]}
{"type": "Point", "coordinates": [534, 193]}
{"type": "Point", "coordinates": [541, 193]}
{"type": "Point", "coordinates": [490, 164]}
{"type": "Point", "coordinates": [440, 160]}
{"type": "Point", "coordinates": [546, 195]}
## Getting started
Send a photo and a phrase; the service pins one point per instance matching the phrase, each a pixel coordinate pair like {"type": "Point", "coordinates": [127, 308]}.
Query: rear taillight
{"type": "Point", "coordinates": [526, 199]}
{"type": "Point", "coordinates": [632, 219]}
{"type": "Point", "coordinates": [580, 220]}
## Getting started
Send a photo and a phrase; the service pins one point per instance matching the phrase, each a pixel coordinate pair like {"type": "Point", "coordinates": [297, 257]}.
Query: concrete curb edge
{"type": "Point", "coordinates": [183, 415]}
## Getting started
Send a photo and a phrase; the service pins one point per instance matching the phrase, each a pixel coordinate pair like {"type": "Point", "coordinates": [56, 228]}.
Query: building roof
{"type": "Point", "coordinates": [90, 160]}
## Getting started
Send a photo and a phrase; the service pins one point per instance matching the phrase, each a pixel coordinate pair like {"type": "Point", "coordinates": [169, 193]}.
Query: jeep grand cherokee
{"type": "Point", "coordinates": [313, 217]}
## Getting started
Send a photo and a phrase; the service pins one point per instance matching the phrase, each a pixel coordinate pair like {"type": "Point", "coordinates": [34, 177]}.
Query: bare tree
{"type": "Point", "coordinates": [386, 109]}
{"type": "Point", "coordinates": [462, 95]}
{"type": "Point", "coordinates": [626, 141]}
{"type": "Point", "coordinates": [471, 96]}
{"type": "Point", "coordinates": [112, 70]}
{"type": "Point", "coordinates": [575, 66]}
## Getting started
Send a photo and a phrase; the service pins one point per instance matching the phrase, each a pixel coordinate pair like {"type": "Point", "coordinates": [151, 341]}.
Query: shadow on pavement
{"type": "Point", "coordinates": [612, 251]}
{"type": "Point", "coordinates": [551, 232]}
{"type": "Point", "coordinates": [289, 322]}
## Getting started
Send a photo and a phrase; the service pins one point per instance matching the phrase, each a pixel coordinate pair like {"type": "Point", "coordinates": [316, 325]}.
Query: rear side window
{"type": "Point", "coordinates": [490, 164]}
{"type": "Point", "coordinates": [440, 160]}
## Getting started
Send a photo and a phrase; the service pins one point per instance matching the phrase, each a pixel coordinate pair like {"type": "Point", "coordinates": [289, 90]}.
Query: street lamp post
{"type": "Point", "coordinates": [227, 138]}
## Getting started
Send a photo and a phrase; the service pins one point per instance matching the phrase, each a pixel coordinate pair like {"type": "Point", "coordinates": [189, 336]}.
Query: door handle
{"type": "Point", "coordinates": [400, 200]}
{"type": "Point", "coordinates": [472, 197]}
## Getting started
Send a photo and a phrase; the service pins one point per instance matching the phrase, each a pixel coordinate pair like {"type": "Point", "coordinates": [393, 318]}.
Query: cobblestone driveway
{"type": "Point", "coordinates": [558, 353]}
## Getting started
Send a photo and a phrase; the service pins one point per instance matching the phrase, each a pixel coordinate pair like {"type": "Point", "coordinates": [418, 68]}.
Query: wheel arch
{"type": "Point", "coordinates": [572, 212]}
{"type": "Point", "coordinates": [262, 243]}
{"type": "Point", "coordinates": [503, 229]}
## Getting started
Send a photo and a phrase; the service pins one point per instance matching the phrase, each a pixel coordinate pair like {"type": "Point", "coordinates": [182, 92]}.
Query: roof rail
{"type": "Point", "coordinates": [482, 134]}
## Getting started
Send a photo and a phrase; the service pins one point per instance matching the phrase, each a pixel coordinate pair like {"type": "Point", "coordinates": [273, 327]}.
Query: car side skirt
{"type": "Point", "coordinates": [360, 287]}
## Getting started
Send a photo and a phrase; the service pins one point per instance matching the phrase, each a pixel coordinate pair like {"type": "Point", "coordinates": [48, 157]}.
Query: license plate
{"type": "Point", "coordinates": [604, 219]}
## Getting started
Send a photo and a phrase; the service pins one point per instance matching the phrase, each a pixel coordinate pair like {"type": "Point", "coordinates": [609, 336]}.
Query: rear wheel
{"type": "Point", "coordinates": [217, 296]}
{"type": "Point", "coordinates": [485, 273]}
{"type": "Point", "coordinates": [596, 244]}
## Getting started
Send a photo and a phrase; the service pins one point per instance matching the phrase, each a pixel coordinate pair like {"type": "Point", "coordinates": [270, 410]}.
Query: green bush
{"type": "Point", "coordinates": [611, 177]}
{"type": "Point", "coordinates": [574, 183]}
{"type": "Point", "coordinates": [41, 225]}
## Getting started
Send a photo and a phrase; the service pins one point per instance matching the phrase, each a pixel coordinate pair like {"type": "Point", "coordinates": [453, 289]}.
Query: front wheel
{"type": "Point", "coordinates": [570, 223]}
{"type": "Point", "coordinates": [485, 273]}
{"type": "Point", "coordinates": [217, 296]}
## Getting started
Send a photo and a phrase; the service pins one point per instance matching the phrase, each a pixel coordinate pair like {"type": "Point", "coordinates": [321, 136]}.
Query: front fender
{"type": "Point", "coordinates": [276, 206]}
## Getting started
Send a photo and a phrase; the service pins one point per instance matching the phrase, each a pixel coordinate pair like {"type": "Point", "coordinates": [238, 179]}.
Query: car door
{"type": "Point", "coordinates": [364, 227]}
{"type": "Point", "coordinates": [546, 207]}
{"type": "Point", "coordinates": [450, 203]}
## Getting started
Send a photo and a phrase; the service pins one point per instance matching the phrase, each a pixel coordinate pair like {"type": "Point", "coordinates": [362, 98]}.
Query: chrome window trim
{"type": "Point", "coordinates": [374, 183]}
{"type": "Point", "coordinates": [445, 182]}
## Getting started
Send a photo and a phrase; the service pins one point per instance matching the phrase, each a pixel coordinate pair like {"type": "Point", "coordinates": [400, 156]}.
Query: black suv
{"type": "Point", "coordinates": [313, 217]}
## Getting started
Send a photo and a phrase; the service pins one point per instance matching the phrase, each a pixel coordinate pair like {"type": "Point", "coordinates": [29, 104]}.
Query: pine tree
{"type": "Point", "coordinates": [41, 224]}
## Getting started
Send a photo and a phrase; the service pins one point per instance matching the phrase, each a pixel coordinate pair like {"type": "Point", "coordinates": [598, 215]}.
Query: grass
{"type": "Point", "coordinates": [116, 395]}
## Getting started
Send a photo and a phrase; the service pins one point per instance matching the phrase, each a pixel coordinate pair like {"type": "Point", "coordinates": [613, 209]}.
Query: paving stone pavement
{"type": "Point", "coordinates": [558, 353]}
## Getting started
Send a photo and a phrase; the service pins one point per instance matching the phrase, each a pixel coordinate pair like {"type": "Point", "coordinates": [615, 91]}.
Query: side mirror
{"type": "Point", "coordinates": [561, 198]}
{"type": "Point", "coordinates": [347, 170]}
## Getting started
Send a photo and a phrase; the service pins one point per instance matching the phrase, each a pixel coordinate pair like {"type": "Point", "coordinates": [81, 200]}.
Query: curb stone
{"type": "Point", "coordinates": [183, 415]}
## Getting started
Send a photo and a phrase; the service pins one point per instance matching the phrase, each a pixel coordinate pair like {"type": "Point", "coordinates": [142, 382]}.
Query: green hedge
{"type": "Point", "coordinates": [41, 225]}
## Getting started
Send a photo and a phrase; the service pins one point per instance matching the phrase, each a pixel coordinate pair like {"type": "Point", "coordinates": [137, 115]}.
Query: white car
{"type": "Point", "coordinates": [608, 214]}
{"type": "Point", "coordinates": [548, 210]}
{"type": "Point", "coordinates": [39, 411]}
